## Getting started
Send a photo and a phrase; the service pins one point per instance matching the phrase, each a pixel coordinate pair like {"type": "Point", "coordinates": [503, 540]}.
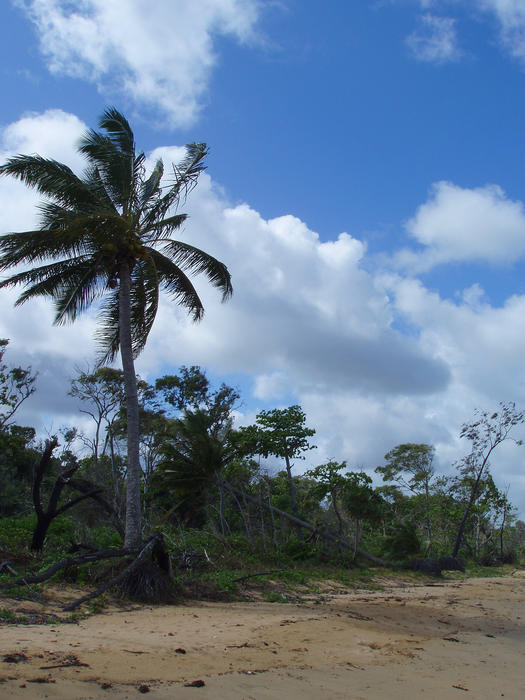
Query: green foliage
{"type": "Point", "coordinates": [105, 537]}
{"type": "Point", "coordinates": [279, 432]}
{"type": "Point", "coordinates": [410, 465]}
{"type": "Point", "coordinates": [292, 575]}
{"type": "Point", "coordinates": [274, 597]}
{"type": "Point", "coordinates": [16, 385]}
{"type": "Point", "coordinates": [224, 580]}
{"type": "Point", "coordinates": [10, 616]}
{"type": "Point", "coordinates": [16, 533]}
{"type": "Point", "coordinates": [359, 498]}
{"type": "Point", "coordinates": [299, 549]}
{"type": "Point", "coordinates": [403, 542]}
{"type": "Point", "coordinates": [17, 458]}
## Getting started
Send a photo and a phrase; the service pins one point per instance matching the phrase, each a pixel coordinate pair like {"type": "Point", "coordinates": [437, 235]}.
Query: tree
{"type": "Point", "coordinates": [485, 432]}
{"type": "Point", "coordinates": [330, 483]}
{"type": "Point", "coordinates": [281, 433]}
{"type": "Point", "coordinates": [106, 237]}
{"type": "Point", "coordinates": [411, 466]}
{"type": "Point", "coordinates": [361, 502]}
{"type": "Point", "coordinates": [102, 393]}
{"type": "Point", "coordinates": [16, 456]}
{"type": "Point", "coordinates": [67, 467]}
{"type": "Point", "coordinates": [192, 461]}
{"type": "Point", "coordinates": [190, 390]}
{"type": "Point", "coordinates": [16, 385]}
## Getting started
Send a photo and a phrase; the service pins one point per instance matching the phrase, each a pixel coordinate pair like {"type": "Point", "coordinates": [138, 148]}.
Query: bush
{"type": "Point", "coordinates": [497, 559]}
{"type": "Point", "coordinates": [403, 543]}
{"type": "Point", "coordinates": [16, 533]}
{"type": "Point", "coordinates": [299, 550]}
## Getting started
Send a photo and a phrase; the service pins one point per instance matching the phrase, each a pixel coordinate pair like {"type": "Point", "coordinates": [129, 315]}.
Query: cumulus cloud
{"type": "Point", "coordinates": [459, 225]}
{"type": "Point", "coordinates": [435, 40]}
{"type": "Point", "coordinates": [157, 54]}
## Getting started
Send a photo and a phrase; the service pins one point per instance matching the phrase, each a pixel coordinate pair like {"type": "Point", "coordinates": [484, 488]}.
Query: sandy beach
{"type": "Point", "coordinates": [446, 640]}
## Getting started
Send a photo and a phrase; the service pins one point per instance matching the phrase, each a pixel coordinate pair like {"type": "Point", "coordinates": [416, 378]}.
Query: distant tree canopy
{"type": "Point", "coordinates": [197, 472]}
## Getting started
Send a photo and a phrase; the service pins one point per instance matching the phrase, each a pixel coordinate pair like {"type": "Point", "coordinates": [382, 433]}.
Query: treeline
{"type": "Point", "coordinates": [199, 473]}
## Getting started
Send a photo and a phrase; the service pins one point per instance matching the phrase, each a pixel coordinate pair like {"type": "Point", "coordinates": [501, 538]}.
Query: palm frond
{"type": "Point", "coordinates": [185, 178]}
{"type": "Point", "coordinates": [38, 274]}
{"type": "Point", "coordinates": [108, 333]}
{"type": "Point", "coordinates": [114, 166]}
{"type": "Point", "coordinates": [78, 291]}
{"type": "Point", "coordinates": [73, 285]}
{"type": "Point", "coordinates": [50, 178]}
{"type": "Point", "coordinates": [151, 187]}
{"type": "Point", "coordinates": [192, 259]}
{"type": "Point", "coordinates": [94, 181]}
{"type": "Point", "coordinates": [144, 302]}
{"type": "Point", "coordinates": [176, 283]}
{"type": "Point", "coordinates": [161, 230]}
{"type": "Point", "coordinates": [29, 247]}
{"type": "Point", "coordinates": [119, 130]}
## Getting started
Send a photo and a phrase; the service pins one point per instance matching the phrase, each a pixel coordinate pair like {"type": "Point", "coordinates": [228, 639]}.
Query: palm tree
{"type": "Point", "coordinates": [192, 462]}
{"type": "Point", "coordinates": [106, 237]}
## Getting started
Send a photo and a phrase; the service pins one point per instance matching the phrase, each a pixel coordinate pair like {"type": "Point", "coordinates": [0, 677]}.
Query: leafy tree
{"type": "Point", "coordinates": [190, 390]}
{"type": "Point", "coordinates": [17, 457]}
{"type": "Point", "coordinates": [411, 466]}
{"type": "Point", "coordinates": [16, 385]}
{"type": "Point", "coordinates": [102, 394]}
{"type": "Point", "coordinates": [107, 236]}
{"type": "Point", "coordinates": [281, 433]}
{"type": "Point", "coordinates": [16, 454]}
{"type": "Point", "coordinates": [361, 502]}
{"type": "Point", "coordinates": [485, 433]}
{"type": "Point", "coordinates": [330, 482]}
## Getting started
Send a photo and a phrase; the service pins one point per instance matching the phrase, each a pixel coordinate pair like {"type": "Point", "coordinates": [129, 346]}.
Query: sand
{"type": "Point", "coordinates": [452, 639]}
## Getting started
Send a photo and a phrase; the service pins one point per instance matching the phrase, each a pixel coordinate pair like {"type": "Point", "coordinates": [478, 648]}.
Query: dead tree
{"type": "Point", "coordinates": [45, 516]}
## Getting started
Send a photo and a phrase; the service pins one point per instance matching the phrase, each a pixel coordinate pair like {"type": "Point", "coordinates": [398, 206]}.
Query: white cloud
{"type": "Point", "coordinates": [510, 15]}
{"type": "Point", "coordinates": [273, 386]}
{"type": "Point", "coordinates": [157, 54]}
{"type": "Point", "coordinates": [435, 40]}
{"type": "Point", "coordinates": [458, 224]}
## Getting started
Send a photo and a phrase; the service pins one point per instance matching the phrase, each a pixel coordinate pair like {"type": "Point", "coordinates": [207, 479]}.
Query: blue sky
{"type": "Point", "coordinates": [365, 187]}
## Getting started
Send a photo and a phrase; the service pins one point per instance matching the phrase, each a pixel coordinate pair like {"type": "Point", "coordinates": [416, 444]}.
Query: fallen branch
{"type": "Point", "coordinates": [67, 664]}
{"type": "Point", "coordinates": [325, 535]}
{"type": "Point", "coordinates": [6, 567]}
{"type": "Point", "coordinates": [117, 579]}
{"type": "Point", "coordinates": [70, 561]}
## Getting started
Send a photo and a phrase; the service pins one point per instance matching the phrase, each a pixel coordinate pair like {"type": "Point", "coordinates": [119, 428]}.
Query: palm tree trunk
{"type": "Point", "coordinates": [133, 534]}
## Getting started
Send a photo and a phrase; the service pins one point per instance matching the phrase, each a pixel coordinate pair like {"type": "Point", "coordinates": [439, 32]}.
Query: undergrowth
{"type": "Point", "coordinates": [206, 565]}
